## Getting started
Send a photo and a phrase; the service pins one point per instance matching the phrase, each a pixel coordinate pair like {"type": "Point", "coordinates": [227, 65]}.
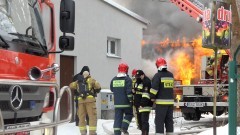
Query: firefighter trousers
{"type": "Point", "coordinates": [87, 107]}
{"type": "Point", "coordinates": [138, 118]}
{"type": "Point", "coordinates": [164, 115]}
{"type": "Point", "coordinates": [76, 116]}
{"type": "Point", "coordinates": [135, 115]}
{"type": "Point", "coordinates": [122, 119]}
{"type": "Point", "coordinates": [144, 122]}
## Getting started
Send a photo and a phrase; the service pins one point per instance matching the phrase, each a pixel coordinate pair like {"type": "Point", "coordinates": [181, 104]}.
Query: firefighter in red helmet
{"type": "Point", "coordinates": [134, 87]}
{"type": "Point", "coordinates": [134, 72]}
{"type": "Point", "coordinates": [162, 94]}
{"type": "Point", "coordinates": [121, 86]}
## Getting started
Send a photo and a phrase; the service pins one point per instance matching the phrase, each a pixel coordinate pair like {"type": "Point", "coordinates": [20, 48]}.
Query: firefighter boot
{"type": "Point", "coordinates": [124, 131]}
{"type": "Point", "coordinates": [144, 132]}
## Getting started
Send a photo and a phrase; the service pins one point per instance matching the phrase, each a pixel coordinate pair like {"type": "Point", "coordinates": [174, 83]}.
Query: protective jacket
{"type": "Point", "coordinates": [122, 90]}
{"type": "Point", "coordinates": [86, 88]}
{"type": "Point", "coordinates": [138, 88]}
{"type": "Point", "coordinates": [162, 88]}
{"type": "Point", "coordinates": [145, 101]}
{"type": "Point", "coordinates": [134, 80]}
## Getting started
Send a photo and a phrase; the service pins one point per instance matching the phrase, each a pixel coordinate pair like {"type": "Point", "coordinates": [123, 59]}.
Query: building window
{"type": "Point", "coordinates": [113, 47]}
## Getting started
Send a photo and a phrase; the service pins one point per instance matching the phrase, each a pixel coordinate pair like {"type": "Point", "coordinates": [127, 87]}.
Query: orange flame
{"type": "Point", "coordinates": [190, 70]}
{"type": "Point", "coordinates": [185, 65]}
{"type": "Point", "coordinates": [143, 42]}
{"type": "Point", "coordinates": [184, 69]}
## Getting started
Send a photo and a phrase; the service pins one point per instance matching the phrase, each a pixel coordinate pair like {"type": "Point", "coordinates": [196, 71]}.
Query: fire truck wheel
{"type": "Point", "coordinates": [196, 116]}
{"type": "Point", "coordinates": [218, 113]}
{"type": "Point", "coordinates": [187, 116]}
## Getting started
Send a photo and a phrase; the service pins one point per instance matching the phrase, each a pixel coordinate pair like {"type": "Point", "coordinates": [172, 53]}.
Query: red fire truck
{"type": "Point", "coordinates": [197, 99]}
{"type": "Point", "coordinates": [29, 94]}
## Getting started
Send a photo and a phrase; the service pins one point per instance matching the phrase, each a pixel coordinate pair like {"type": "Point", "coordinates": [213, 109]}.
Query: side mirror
{"type": "Point", "coordinates": [67, 16]}
{"type": "Point", "coordinates": [66, 43]}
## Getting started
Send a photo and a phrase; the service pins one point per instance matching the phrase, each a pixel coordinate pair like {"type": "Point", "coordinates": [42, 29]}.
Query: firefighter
{"type": "Point", "coordinates": [79, 77]}
{"type": "Point", "coordinates": [145, 103]}
{"type": "Point", "coordinates": [211, 65]}
{"type": "Point", "coordinates": [121, 86]}
{"type": "Point", "coordinates": [134, 72]}
{"type": "Point", "coordinates": [87, 89]}
{"type": "Point", "coordinates": [137, 95]}
{"type": "Point", "coordinates": [162, 93]}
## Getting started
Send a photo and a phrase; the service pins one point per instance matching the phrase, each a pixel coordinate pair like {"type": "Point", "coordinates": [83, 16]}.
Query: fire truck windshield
{"type": "Point", "coordinates": [20, 20]}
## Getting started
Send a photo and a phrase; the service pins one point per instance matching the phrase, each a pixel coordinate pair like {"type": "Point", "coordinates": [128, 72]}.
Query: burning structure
{"type": "Point", "coordinates": [184, 58]}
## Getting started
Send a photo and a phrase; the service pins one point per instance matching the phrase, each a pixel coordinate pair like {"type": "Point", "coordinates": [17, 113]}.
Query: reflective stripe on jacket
{"type": "Point", "coordinates": [122, 90]}
{"type": "Point", "coordinates": [142, 96]}
{"type": "Point", "coordinates": [162, 88]}
{"type": "Point", "coordinates": [92, 87]}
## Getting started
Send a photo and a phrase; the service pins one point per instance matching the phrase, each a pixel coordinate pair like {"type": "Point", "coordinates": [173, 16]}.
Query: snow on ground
{"type": "Point", "coordinates": [72, 129]}
{"type": "Point", "coordinates": [220, 131]}
{"type": "Point", "coordinates": [105, 127]}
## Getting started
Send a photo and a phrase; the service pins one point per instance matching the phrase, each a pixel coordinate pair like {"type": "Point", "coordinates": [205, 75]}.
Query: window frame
{"type": "Point", "coordinates": [117, 47]}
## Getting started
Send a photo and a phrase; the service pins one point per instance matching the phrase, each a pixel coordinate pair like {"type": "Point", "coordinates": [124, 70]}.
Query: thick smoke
{"type": "Point", "coordinates": [167, 20]}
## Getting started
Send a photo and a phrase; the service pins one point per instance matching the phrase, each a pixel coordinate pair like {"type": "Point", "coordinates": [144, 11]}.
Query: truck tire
{"type": "Point", "coordinates": [196, 116]}
{"type": "Point", "coordinates": [192, 116]}
{"type": "Point", "coordinates": [187, 116]}
{"type": "Point", "coordinates": [218, 113]}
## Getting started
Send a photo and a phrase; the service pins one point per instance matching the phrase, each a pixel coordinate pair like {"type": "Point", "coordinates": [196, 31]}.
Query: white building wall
{"type": "Point", "coordinates": [95, 21]}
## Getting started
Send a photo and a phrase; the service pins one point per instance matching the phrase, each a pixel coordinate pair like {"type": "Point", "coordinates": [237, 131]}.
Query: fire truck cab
{"type": "Point", "coordinates": [29, 94]}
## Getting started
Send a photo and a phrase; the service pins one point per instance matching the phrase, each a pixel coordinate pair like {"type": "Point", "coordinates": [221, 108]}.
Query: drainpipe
{"type": "Point", "coordinates": [232, 117]}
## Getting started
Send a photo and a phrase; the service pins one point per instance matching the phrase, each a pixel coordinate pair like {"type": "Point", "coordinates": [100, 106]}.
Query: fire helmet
{"type": "Point", "coordinates": [161, 63]}
{"type": "Point", "coordinates": [123, 68]}
{"type": "Point", "coordinates": [134, 72]}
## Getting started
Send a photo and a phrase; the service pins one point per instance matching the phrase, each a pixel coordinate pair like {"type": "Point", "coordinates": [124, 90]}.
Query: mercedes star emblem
{"type": "Point", "coordinates": [16, 97]}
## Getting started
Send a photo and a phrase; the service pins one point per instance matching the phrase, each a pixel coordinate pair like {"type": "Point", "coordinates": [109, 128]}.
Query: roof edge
{"type": "Point", "coordinates": [127, 11]}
